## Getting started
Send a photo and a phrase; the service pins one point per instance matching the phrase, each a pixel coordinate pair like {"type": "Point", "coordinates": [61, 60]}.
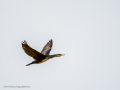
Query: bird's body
{"type": "Point", "coordinates": [44, 60]}
{"type": "Point", "coordinates": [39, 57]}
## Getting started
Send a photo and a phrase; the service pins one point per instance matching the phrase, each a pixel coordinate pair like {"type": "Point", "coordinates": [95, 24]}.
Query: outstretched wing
{"type": "Point", "coordinates": [47, 48]}
{"type": "Point", "coordinates": [31, 52]}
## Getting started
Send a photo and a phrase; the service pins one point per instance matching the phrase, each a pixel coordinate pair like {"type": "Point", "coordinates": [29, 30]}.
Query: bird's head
{"type": "Point", "coordinates": [31, 63]}
{"type": "Point", "coordinates": [59, 55]}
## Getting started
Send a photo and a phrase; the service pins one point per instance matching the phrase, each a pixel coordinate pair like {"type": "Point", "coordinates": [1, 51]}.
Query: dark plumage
{"type": "Point", "coordinates": [37, 56]}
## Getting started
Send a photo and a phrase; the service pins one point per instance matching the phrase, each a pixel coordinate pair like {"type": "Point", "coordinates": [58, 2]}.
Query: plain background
{"type": "Point", "coordinates": [86, 31]}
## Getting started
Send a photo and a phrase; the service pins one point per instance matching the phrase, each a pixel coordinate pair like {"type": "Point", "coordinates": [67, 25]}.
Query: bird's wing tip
{"type": "Point", "coordinates": [24, 42]}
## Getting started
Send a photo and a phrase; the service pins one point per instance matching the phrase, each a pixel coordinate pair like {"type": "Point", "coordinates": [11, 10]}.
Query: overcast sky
{"type": "Point", "coordinates": [86, 31]}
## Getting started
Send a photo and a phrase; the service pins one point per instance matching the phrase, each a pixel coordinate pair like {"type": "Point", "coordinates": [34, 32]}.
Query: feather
{"type": "Point", "coordinates": [47, 48]}
{"type": "Point", "coordinates": [31, 52]}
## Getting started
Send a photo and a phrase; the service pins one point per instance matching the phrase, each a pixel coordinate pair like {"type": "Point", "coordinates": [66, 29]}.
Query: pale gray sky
{"type": "Point", "coordinates": [86, 31]}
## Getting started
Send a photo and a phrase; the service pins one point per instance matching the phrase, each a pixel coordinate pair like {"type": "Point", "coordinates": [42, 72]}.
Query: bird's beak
{"type": "Point", "coordinates": [29, 64]}
{"type": "Point", "coordinates": [62, 54]}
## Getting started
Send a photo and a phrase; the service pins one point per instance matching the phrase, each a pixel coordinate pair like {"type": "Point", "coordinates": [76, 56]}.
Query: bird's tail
{"type": "Point", "coordinates": [29, 64]}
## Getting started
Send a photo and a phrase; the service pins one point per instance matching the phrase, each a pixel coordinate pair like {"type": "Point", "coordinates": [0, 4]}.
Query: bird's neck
{"type": "Point", "coordinates": [52, 56]}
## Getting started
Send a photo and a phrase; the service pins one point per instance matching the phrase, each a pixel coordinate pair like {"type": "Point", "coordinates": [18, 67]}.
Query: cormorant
{"type": "Point", "coordinates": [37, 56]}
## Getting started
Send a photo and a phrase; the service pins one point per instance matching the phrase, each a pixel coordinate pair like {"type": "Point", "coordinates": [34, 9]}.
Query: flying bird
{"type": "Point", "coordinates": [37, 56]}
